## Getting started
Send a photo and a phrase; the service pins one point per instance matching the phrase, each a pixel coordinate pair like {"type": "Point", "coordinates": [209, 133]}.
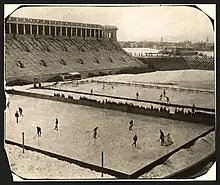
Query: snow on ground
{"type": "Point", "coordinates": [75, 135]}
{"type": "Point", "coordinates": [34, 165]}
{"type": "Point", "coordinates": [184, 158]}
{"type": "Point", "coordinates": [186, 78]}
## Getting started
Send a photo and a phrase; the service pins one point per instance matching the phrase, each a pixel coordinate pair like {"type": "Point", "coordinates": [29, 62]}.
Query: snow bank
{"type": "Point", "coordinates": [184, 158]}
{"type": "Point", "coordinates": [35, 165]}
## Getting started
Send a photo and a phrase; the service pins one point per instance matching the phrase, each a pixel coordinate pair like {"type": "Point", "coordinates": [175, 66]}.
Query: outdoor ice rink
{"type": "Point", "coordinates": [75, 135]}
{"type": "Point", "coordinates": [76, 122]}
{"type": "Point", "coordinates": [200, 99]}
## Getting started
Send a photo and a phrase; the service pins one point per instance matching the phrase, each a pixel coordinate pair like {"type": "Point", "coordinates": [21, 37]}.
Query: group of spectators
{"type": "Point", "coordinates": [35, 85]}
{"type": "Point", "coordinates": [178, 111]}
{"type": "Point", "coordinates": [59, 95]}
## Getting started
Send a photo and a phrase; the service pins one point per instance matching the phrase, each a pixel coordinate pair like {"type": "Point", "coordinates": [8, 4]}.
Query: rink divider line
{"type": "Point", "coordinates": [130, 99]}
{"type": "Point", "coordinates": [162, 159]}
{"type": "Point", "coordinates": [82, 164]}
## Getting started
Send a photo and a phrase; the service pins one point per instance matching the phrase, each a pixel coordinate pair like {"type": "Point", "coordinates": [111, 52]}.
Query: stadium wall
{"type": "Point", "coordinates": [43, 49]}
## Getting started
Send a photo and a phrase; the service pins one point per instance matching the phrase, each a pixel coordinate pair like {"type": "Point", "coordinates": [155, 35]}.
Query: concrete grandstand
{"type": "Point", "coordinates": [35, 49]}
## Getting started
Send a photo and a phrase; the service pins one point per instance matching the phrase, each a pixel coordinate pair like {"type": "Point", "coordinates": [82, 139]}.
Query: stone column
{"type": "Point", "coordinates": [71, 31]}
{"type": "Point", "coordinates": [43, 30]}
{"type": "Point", "coordinates": [90, 32]}
{"type": "Point", "coordinates": [30, 29]}
{"type": "Point", "coordinates": [98, 33]}
{"type": "Point", "coordinates": [24, 29]}
{"type": "Point", "coordinates": [81, 32]}
{"type": "Point", "coordinates": [60, 30]}
{"type": "Point", "coordinates": [16, 28]}
{"type": "Point", "coordinates": [37, 30]}
{"type": "Point", "coordinates": [49, 30]}
{"type": "Point", "coordinates": [9, 28]}
{"type": "Point", "coordinates": [115, 35]}
{"type": "Point", "coordinates": [102, 33]}
{"type": "Point", "coordinates": [55, 30]}
{"type": "Point", "coordinates": [66, 32]}
{"type": "Point", "coordinates": [76, 32]}
{"type": "Point", "coordinates": [85, 32]}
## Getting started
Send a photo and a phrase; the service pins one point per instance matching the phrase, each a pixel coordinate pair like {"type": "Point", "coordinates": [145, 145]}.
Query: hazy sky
{"type": "Point", "coordinates": [134, 23]}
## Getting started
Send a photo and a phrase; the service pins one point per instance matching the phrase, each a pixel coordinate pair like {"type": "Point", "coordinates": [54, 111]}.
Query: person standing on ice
{"type": "Point", "coordinates": [161, 96]}
{"type": "Point", "coordinates": [161, 137]}
{"type": "Point", "coordinates": [95, 132]}
{"type": "Point", "coordinates": [169, 140]}
{"type": "Point", "coordinates": [56, 125]}
{"type": "Point", "coordinates": [193, 109]}
{"type": "Point", "coordinates": [16, 116]}
{"type": "Point", "coordinates": [168, 100]}
{"type": "Point", "coordinates": [38, 131]}
{"type": "Point", "coordinates": [20, 111]}
{"type": "Point", "coordinates": [91, 91]}
{"type": "Point", "coordinates": [131, 123]}
{"type": "Point", "coordinates": [164, 93]}
{"type": "Point", "coordinates": [8, 104]}
{"type": "Point", "coordinates": [135, 138]}
{"type": "Point", "coordinates": [137, 95]}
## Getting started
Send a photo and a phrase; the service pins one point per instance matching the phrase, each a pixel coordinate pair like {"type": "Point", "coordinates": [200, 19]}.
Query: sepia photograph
{"type": "Point", "coordinates": [97, 92]}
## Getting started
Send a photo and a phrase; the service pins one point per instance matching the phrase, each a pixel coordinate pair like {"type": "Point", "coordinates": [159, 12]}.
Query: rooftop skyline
{"type": "Point", "coordinates": [134, 23]}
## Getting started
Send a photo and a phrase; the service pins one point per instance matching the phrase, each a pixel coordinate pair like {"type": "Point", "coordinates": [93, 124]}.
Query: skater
{"type": "Point", "coordinates": [103, 87]}
{"type": "Point", "coordinates": [91, 91]}
{"type": "Point", "coordinates": [137, 95]}
{"type": "Point", "coordinates": [8, 104]}
{"type": "Point", "coordinates": [169, 140]}
{"type": "Point", "coordinates": [168, 100]}
{"type": "Point", "coordinates": [112, 87]}
{"type": "Point", "coordinates": [38, 131]}
{"type": "Point", "coordinates": [161, 137]}
{"type": "Point", "coordinates": [17, 116]}
{"type": "Point", "coordinates": [20, 111]}
{"type": "Point", "coordinates": [95, 132]}
{"type": "Point", "coordinates": [164, 93]}
{"type": "Point", "coordinates": [131, 123]}
{"type": "Point", "coordinates": [56, 124]}
{"type": "Point", "coordinates": [193, 109]}
{"type": "Point", "coordinates": [135, 138]}
{"type": "Point", "coordinates": [161, 95]}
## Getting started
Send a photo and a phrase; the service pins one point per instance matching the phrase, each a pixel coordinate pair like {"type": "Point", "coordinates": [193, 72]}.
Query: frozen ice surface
{"type": "Point", "coordinates": [34, 165]}
{"type": "Point", "coordinates": [186, 78]}
{"type": "Point", "coordinates": [175, 96]}
{"type": "Point", "coordinates": [75, 135]}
